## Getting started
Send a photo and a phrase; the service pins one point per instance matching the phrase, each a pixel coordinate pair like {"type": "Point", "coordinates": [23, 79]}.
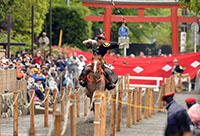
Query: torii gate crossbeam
{"type": "Point", "coordinates": [107, 18]}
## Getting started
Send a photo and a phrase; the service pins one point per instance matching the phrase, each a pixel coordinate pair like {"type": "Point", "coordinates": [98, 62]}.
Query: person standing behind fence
{"type": "Point", "coordinates": [43, 40]}
{"type": "Point", "coordinates": [178, 121]}
{"type": "Point", "coordinates": [74, 63]}
{"type": "Point", "coordinates": [193, 111]}
{"type": "Point", "coordinates": [177, 68]}
{"type": "Point", "coordinates": [38, 59]}
{"type": "Point", "coordinates": [60, 62]}
{"type": "Point", "coordinates": [81, 64]}
{"type": "Point", "coordinates": [20, 73]}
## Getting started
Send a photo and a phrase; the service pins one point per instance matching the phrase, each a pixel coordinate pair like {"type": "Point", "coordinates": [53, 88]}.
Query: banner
{"type": "Point", "coordinates": [150, 66]}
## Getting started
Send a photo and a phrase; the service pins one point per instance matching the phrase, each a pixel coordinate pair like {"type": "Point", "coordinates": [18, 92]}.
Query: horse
{"type": "Point", "coordinates": [95, 79]}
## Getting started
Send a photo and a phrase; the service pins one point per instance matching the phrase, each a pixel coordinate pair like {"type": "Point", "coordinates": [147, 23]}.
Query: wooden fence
{"type": "Point", "coordinates": [8, 81]}
{"type": "Point", "coordinates": [116, 98]}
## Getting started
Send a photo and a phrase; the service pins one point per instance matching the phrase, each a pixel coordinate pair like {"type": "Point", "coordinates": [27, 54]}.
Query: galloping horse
{"type": "Point", "coordinates": [95, 78]}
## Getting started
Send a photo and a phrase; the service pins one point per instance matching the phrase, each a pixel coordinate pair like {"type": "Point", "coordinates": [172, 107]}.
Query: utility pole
{"type": "Point", "coordinates": [9, 25]}
{"type": "Point", "coordinates": [50, 27]}
{"type": "Point", "coordinates": [32, 30]}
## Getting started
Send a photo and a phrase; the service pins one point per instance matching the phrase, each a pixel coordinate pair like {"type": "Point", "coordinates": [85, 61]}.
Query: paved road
{"type": "Point", "coordinates": [153, 126]}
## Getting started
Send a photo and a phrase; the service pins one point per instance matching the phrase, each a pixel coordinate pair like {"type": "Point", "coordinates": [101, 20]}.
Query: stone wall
{"type": "Point", "coordinates": [7, 105]}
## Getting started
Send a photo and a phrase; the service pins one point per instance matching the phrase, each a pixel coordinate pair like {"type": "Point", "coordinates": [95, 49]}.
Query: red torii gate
{"type": "Point", "coordinates": [107, 18]}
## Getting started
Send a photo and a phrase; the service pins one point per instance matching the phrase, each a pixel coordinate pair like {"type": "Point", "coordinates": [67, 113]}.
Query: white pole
{"type": "Point", "coordinates": [124, 51]}
{"type": "Point", "coordinates": [125, 46]}
{"type": "Point", "coordinates": [195, 44]}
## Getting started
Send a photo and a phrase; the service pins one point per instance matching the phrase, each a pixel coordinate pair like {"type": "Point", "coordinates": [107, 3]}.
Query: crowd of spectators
{"type": "Point", "coordinates": [41, 72]}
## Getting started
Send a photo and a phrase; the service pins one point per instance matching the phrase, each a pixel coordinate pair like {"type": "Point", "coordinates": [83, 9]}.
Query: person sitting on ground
{"type": "Point", "coordinates": [60, 62]}
{"type": "Point", "coordinates": [178, 121]}
{"type": "Point", "coordinates": [38, 78]}
{"type": "Point", "coordinates": [99, 49]}
{"type": "Point", "coordinates": [193, 111]}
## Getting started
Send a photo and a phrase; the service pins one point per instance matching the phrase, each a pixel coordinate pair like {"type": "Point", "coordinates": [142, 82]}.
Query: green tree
{"type": "Point", "coordinates": [193, 5]}
{"type": "Point", "coordinates": [149, 31]}
{"type": "Point", "coordinates": [72, 21]}
{"type": "Point", "coordinates": [21, 18]}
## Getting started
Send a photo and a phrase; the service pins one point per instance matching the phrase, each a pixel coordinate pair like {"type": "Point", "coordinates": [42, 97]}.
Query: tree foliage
{"type": "Point", "coordinates": [139, 32]}
{"type": "Point", "coordinates": [193, 5]}
{"type": "Point", "coordinates": [21, 22]}
{"type": "Point", "coordinates": [72, 21]}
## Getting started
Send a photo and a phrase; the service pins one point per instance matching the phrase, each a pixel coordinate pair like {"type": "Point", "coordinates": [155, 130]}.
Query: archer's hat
{"type": "Point", "coordinates": [101, 36]}
{"type": "Point", "coordinates": [190, 100]}
{"type": "Point", "coordinates": [175, 60]}
{"type": "Point", "coordinates": [167, 95]}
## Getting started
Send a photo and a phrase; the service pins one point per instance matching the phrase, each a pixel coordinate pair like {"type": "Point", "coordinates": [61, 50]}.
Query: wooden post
{"type": "Point", "coordinates": [112, 118]}
{"type": "Point", "coordinates": [172, 84]}
{"type": "Point", "coordinates": [128, 82]}
{"type": "Point", "coordinates": [63, 103]}
{"type": "Point", "coordinates": [162, 93]}
{"type": "Point", "coordinates": [54, 100]}
{"type": "Point", "coordinates": [57, 122]}
{"type": "Point", "coordinates": [134, 108]}
{"type": "Point", "coordinates": [140, 103]}
{"type": "Point", "coordinates": [31, 132]}
{"type": "Point", "coordinates": [85, 105]}
{"type": "Point", "coordinates": [68, 98]}
{"type": "Point", "coordinates": [46, 112]}
{"type": "Point", "coordinates": [150, 101]}
{"type": "Point", "coordinates": [119, 110]}
{"type": "Point", "coordinates": [32, 111]}
{"type": "Point", "coordinates": [0, 113]}
{"type": "Point", "coordinates": [153, 111]}
{"type": "Point", "coordinates": [103, 115]}
{"type": "Point", "coordinates": [78, 102]}
{"type": "Point", "coordinates": [15, 119]}
{"type": "Point", "coordinates": [159, 99]}
{"type": "Point", "coordinates": [167, 85]}
{"type": "Point", "coordinates": [72, 116]}
{"type": "Point", "coordinates": [68, 90]}
{"type": "Point", "coordinates": [128, 123]}
{"type": "Point", "coordinates": [97, 122]}
{"type": "Point", "coordinates": [138, 109]}
{"type": "Point", "coordinates": [146, 103]}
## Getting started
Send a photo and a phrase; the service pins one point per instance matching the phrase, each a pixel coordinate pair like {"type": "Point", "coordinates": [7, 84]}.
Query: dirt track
{"type": "Point", "coordinates": [153, 126]}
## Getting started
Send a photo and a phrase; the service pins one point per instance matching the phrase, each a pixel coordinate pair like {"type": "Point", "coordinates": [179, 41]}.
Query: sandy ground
{"type": "Point", "coordinates": [153, 126]}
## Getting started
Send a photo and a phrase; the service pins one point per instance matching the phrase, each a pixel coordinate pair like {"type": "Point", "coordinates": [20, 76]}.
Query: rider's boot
{"type": "Point", "coordinates": [110, 85]}
{"type": "Point", "coordinates": [83, 77]}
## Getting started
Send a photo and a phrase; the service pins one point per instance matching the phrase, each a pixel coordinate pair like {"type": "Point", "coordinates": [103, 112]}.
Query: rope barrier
{"type": "Point", "coordinates": [66, 118]}
{"type": "Point", "coordinates": [143, 107]}
{"type": "Point", "coordinates": [55, 99]}
{"type": "Point", "coordinates": [15, 99]}
{"type": "Point", "coordinates": [63, 96]}
{"type": "Point", "coordinates": [31, 100]}
{"type": "Point", "coordinates": [45, 97]}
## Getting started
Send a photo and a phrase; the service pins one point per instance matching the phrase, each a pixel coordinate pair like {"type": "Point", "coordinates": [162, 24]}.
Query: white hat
{"type": "Point", "coordinates": [175, 60]}
{"type": "Point", "coordinates": [84, 59]}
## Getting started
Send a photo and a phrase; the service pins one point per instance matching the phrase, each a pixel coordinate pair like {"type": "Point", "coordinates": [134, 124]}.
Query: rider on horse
{"type": "Point", "coordinates": [99, 49]}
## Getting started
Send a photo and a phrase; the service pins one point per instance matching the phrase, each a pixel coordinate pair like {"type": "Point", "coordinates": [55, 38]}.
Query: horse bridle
{"type": "Point", "coordinates": [101, 73]}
